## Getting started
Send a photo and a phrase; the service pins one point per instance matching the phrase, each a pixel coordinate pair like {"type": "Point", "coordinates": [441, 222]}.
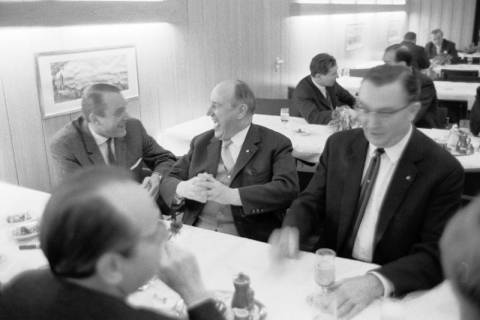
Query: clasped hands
{"type": "Point", "coordinates": [352, 294]}
{"type": "Point", "coordinates": [204, 187]}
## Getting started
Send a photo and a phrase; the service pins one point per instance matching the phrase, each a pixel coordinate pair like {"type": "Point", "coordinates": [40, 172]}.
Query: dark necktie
{"type": "Point", "coordinates": [110, 154]}
{"type": "Point", "coordinates": [365, 193]}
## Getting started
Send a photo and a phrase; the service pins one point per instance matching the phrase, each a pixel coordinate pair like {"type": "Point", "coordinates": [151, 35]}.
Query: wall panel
{"type": "Point", "coordinates": [8, 170]}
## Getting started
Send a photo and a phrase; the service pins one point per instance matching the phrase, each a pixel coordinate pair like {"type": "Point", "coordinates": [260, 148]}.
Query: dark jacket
{"type": "Point", "coordinates": [475, 115]}
{"type": "Point", "coordinates": [313, 106]}
{"type": "Point", "coordinates": [419, 57]}
{"type": "Point", "coordinates": [448, 47]}
{"type": "Point", "coordinates": [427, 115]}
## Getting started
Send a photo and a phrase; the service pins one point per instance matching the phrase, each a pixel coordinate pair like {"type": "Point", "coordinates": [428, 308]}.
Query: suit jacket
{"type": "Point", "coordinates": [313, 106]}
{"type": "Point", "coordinates": [419, 56]}
{"type": "Point", "coordinates": [39, 295]}
{"type": "Point", "coordinates": [448, 47]}
{"type": "Point", "coordinates": [73, 147]}
{"type": "Point", "coordinates": [427, 115]}
{"type": "Point", "coordinates": [264, 173]}
{"type": "Point", "coordinates": [475, 115]}
{"type": "Point", "coordinates": [424, 193]}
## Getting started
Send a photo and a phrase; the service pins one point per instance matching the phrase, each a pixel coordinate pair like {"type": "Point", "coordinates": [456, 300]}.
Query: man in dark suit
{"type": "Point", "coordinates": [419, 57]}
{"type": "Point", "coordinates": [106, 135]}
{"type": "Point", "coordinates": [381, 194]}
{"type": "Point", "coordinates": [237, 178]}
{"type": "Point", "coordinates": [427, 115]}
{"type": "Point", "coordinates": [318, 94]}
{"type": "Point", "coordinates": [441, 49]}
{"type": "Point", "coordinates": [102, 238]}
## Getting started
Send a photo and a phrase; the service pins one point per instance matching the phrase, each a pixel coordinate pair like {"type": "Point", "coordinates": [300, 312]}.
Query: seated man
{"type": "Point", "coordinates": [102, 238]}
{"type": "Point", "coordinates": [475, 115]}
{"type": "Point", "coordinates": [318, 94]}
{"type": "Point", "coordinates": [237, 178]}
{"type": "Point", "coordinates": [381, 194]}
{"type": "Point", "coordinates": [419, 57]}
{"type": "Point", "coordinates": [106, 135]}
{"type": "Point", "coordinates": [441, 49]}
{"type": "Point", "coordinates": [427, 115]}
{"type": "Point", "coordinates": [461, 259]}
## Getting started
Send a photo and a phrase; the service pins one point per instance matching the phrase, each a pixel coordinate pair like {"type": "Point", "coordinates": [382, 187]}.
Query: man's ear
{"type": "Point", "coordinates": [109, 268]}
{"type": "Point", "coordinates": [243, 111]}
{"type": "Point", "coordinates": [93, 118]}
{"type": "Point", "coordinates": [415, 107]}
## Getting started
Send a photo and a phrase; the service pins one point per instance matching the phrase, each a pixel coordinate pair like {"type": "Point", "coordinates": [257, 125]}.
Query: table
{"type": "Point", "coordinates": [307, 146]}
{"type": "Point", "coordinates": [282, 287]}
{"type": "Point", "coordinates": [446, 90]}
{"type": "Point", "coordinates": [457, 67]}
{"type": "Point", "coordinates": [469, 55]}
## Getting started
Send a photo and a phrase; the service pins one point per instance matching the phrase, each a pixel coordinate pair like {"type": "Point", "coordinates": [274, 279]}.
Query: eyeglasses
{"type": "Point", "coordinates": [363, 111]}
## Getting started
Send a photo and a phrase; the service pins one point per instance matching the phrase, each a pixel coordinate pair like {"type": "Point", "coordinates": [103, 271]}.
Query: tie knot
{"type": "Point", "coordinates": [109, 141]}
{"type": "Point", "coordinates": [226, 143]}
{"type": "Point", "coordinates": [379, 151]}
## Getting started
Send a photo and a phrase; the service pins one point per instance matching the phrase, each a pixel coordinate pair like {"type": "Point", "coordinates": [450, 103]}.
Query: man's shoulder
{"type": "Point", "coordinates": [306, 82]}
{"type": "Point", "coordinates": [68, 134]}
{"type": "Point", "coordinates": [203, 138]}
{"type": "Point", "coordinates": [346, 136]}
{"type": "Point", "coordinates": [434, 153]}
{"type": "Point", "coordinates": [269, 134]}
{"type": "Point", "coordinates": [28, 283]}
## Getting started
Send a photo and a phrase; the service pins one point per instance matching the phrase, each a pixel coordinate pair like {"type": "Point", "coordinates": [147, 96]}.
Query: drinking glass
{"type": "Point", "coordinates": [324, 276]}
{"type": "Point", "coordinates": [284, 115]}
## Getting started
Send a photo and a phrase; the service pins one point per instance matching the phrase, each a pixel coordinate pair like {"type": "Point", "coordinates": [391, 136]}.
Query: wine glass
{"type": "Point", "coordinates": [284, 115]}
{"type": "Point", "coordinates": [324, 276]}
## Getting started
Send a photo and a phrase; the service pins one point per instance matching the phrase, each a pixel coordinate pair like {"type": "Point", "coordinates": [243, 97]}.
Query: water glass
{"type": "Point", "coordinates": [324, 271]}
{"type": "Point", "coordinates": [284, 115]}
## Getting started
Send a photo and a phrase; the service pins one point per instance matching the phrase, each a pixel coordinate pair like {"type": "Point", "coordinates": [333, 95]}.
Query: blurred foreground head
{"type": "Point", "coordinates": [460, 248]}
{"type": "Point", "coordinates": [100, 229]}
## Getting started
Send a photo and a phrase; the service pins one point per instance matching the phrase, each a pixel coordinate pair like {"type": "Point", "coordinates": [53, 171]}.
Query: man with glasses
{"type": "Point", "coordinates": [102, 238]}
{"type": "Point", "coordinates": [381, 194]}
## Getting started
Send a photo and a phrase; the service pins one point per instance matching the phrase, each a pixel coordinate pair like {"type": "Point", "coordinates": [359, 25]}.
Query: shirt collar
{"type": "Point", "coordinates": [394, 152]}
{"type": "Point", "coordinates": [321, 88]}
{"type": "Point", "coordinates": [99, 139]}
{"type": "Point", "coordinates": [240, 136]}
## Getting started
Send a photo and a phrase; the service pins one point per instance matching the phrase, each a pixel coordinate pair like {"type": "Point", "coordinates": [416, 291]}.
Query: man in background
{"type": "Point", "coordinates": [239, 177]}
{"type": "Point", "coordinates": [102, 238]}
{"type": "Point", "coordinates": [381, 194]}
{"type": "Point", "coordinates": [427, 115]}
{"type": "Point", "coordinates": [441, 49]}
{"type": "Point", "coordinates": [419, 57]}
{"type": "Point", "coordinates": [105, 134]}
{"type": "Point", "coordinates": [318, 94]}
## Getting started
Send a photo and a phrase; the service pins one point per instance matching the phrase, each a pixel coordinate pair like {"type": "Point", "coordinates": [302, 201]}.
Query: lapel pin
{"type": "Point", "coordinates": [247, 151]}
{"type": "Point", "coordinates": [408, 178]}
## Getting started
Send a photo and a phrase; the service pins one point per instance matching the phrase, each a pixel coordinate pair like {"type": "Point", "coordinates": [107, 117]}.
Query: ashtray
{"type": "Point", "coordinates": [301, 132]}
{"type": "Point", "coordinates": [25, 231]}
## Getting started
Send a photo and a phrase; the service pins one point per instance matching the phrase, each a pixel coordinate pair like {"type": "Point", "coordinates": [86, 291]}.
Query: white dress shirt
{"type": "Point", "coordinates": [364, 246]}
{"type": "Point", "coordinates": [322, 89]}
{"type": "Point", "coordinates": [102, 144]}
{"type": "Point", "coordinates": [237, 142]}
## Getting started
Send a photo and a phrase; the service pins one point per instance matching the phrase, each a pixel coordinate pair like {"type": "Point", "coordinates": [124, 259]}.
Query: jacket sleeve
{"type": "Point", "coordinates": [421, 268]}
{"type": "Point", "coordinates": [281, 190]}
{"type": "Point", "coordinates": [343, 96]}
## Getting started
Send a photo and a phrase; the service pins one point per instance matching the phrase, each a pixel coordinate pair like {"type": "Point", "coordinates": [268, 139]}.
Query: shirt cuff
{"type": "Point", "coordinates": [235, 197]}
{"type": "Point", "coordinates": [388, 288]}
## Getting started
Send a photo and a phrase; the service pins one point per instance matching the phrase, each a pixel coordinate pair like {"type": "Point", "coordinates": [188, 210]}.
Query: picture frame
{"type": "Point", "coordinates": [354, 36]}
{"type": "Point", "coordinates": [63, 75]}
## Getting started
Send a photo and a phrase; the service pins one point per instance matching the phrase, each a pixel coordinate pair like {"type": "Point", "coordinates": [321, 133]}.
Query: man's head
{"type": "Point", "coordinates": [100, 229]}
{"type": "Point", "coordinates": [104, 107]}
{"type": "Point", "coordinates": [231, 109]}
{"type": "Point", "coordinates": [387, 104]}
{"type": "Point", "coordinates": [397, 54]}
{"type": "Point", "coordinates": [410, 37]}
{"type": "Point", "coordinates": [437, 37]}
{"type": "Point", "coordinates": [324, 70]}
{"type": "Point", "coordinates": [461, 258]}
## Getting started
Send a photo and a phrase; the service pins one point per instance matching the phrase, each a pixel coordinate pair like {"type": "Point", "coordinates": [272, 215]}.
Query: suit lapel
{"type": "Point", "coordinates": [351, 187]}
{"type": "Point", "coordinates": [249, 148]}
{"type": "Point", "coordinates": [91, 148]}
{"type": "Point", "coordinates": [213, 156]}
{"type": "Point", "coordinates": [403, 177]}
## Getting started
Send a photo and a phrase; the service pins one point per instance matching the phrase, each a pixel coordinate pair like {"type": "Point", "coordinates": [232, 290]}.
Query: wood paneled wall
{"type": "Point", "coordinates": [454, 17]}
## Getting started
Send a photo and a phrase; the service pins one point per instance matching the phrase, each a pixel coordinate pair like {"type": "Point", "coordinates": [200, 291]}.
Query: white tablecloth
{"type": "Point", "coordinates": [281, 287]}
{"type": "Point", "coordinates": [307, 145]}
{"type": "Point", "coordinates": [446, 90]}
{"type": "Point", "coordinates": [469, 55]}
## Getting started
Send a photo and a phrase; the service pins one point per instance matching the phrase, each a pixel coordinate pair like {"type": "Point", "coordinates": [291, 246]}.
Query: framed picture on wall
{"type": "Point", "coordinates": [354, 36]}
{"type": "Point", "coordinates": [62, 76]}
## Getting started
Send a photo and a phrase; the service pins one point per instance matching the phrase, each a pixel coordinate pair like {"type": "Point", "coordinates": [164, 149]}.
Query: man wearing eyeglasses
{"type": "Point", "coordinates": [381, 194]}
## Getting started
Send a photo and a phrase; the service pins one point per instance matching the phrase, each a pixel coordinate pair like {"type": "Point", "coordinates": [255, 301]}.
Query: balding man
{"type": "Point", "coordinates": [105, 134]}
{"type": "Point", "coordinates": [102, 238]}
{"type": "Point", "coordinates": [237, 178]}
{"type": "Point", "coordinates": [440, 48]}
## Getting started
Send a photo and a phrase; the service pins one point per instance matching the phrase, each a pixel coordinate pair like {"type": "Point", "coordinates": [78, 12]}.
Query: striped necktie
{"type": "Point", "coordinates": [227, 155]}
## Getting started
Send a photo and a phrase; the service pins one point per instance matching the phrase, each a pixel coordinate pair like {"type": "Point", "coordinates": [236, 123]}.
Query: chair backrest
{"type": "Point", "coordinates": [273, 106]}
{"type": "Point", "coordinates": [460, 75]}
{"type": "Point", "coordinates": [442, 113]}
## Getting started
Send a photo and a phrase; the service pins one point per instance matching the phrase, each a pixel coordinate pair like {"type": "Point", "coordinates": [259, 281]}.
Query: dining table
{"type": "Point", "coordinates": [281, 286]}
{"type": "Point", "coordinates": [308, 140]}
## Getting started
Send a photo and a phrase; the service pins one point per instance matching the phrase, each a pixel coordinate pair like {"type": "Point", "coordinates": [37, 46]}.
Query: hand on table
{"type": "Point", "coordinates": [284, 242]}
{"type": "Point", "coordinates": [152, 184]}
{"type": "Point", "coordinates": [179, 270]}
{"type": "Point", "coordinates": [354, 294]}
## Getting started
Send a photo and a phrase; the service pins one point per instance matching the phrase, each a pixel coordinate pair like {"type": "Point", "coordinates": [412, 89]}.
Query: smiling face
{"type": "Point", "coordinates": [227, 116]}
{"type": "Point", "coordinates": [112, 124]}
{"type": "Point", "coordinates": [385, 113]}
{"type": "Point", "coordinates": [328, 79]}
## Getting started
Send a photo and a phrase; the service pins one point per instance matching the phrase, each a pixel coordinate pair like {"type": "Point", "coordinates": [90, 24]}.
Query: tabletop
{"type": "Point", "coordinates": [308, 140]}
{"type": "Point", "coordinates": [446, 90]}
{"type": "Point", "coordinates": [282, 286]}
{"type": "Point", "coordinates": [458, 67]}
